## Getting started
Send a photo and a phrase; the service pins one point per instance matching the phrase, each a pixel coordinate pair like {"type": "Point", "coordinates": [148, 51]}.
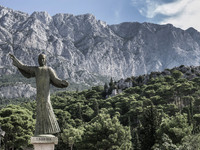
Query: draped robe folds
{"type": "Point", "coordinates": [45, 118]}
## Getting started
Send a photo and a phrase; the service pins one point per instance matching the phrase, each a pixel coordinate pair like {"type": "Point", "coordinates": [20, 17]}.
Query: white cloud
{"type": "Point", "coordinates": [171, 8]}
{"type": "Point", "coordinates": [182, 13]}
{"type": "Point", "coordinates": [188, 18]}
{"type": "Point", "coordinates": [146, 7]}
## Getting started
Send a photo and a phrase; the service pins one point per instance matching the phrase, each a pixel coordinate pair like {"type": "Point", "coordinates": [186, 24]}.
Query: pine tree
{"type": "Point", "coordinates": [18, 123]}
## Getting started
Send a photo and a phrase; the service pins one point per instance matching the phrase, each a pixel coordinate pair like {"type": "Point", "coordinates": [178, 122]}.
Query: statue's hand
{"type": "Point", "coordinates": [15, 62]}
{"type": "Point", "coordinates": [12, 56]}
{"type": "Point", "coordinates": [65, 83]}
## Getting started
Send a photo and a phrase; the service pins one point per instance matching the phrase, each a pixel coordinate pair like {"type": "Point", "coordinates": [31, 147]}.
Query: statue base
{"type": "Point", "coordinates": [44, 142]}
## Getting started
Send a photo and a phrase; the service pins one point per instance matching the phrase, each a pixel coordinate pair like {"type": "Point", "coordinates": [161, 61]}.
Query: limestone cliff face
{"type": "Point", "coordinates": [84, 50]}
{"type": "Point", "coordinates": [17, 90]}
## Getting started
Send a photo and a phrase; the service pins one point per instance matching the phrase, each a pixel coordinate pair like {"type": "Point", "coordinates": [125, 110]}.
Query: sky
{"type": "Point", "coordinates": [181, 13]}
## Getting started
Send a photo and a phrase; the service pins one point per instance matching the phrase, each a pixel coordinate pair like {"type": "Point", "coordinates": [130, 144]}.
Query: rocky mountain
{"type": "Point", "coordinates": [85, 50]}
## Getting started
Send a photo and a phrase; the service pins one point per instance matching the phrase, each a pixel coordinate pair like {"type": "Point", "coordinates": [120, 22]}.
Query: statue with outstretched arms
{"type": "Point", "coordinates": [46, 122]}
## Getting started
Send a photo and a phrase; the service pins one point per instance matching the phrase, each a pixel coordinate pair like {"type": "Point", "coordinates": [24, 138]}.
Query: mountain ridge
{"type": "Point", "coordinates": [88, 51]}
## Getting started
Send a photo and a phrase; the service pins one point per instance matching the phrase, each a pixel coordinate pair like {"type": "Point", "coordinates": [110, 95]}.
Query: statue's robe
{"type": "Point", "coordinates": [46, 122]}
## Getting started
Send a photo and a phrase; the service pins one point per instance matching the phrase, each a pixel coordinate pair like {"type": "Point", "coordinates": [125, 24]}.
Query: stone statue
{"type": "Point", "coordinates": [46, 122]}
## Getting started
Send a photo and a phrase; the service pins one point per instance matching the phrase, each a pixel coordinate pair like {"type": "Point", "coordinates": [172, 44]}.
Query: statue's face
{"type": "Point", "coordinates": [42, 60]}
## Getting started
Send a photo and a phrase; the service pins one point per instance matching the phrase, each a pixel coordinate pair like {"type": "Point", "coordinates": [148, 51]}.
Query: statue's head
{"type": "Point", "coordinates": [42, 60]}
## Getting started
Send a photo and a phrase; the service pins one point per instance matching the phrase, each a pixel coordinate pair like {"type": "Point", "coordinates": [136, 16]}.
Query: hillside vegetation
{"type": "Point", "coordinates": [162, 114]}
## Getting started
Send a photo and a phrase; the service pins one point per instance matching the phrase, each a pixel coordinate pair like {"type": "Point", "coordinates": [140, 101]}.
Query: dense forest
{"type": "Point", "coordinates": [160, 114]}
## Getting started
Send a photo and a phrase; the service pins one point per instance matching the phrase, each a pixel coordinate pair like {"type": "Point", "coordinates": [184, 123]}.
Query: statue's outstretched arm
{"type": "Point", "coordinates": [16, 62]}
{"type": "Point", "coordinates": [27, 71]}
{"type": "Point", "coordinates": [56, 81]}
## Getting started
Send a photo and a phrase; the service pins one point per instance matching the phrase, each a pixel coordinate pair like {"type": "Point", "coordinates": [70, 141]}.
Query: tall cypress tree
{"type": "Point", "coordinates": [96, 108]}
{"type": "Point", "coordinates": [150, 123]}
{"type": "Point", "coordinates": [135, 140]}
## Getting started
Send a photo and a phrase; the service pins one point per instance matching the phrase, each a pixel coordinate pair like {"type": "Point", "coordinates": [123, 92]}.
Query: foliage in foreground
{"type": "Point", "coordinates": [17, 122]}
{"type": "Point", "coordinates": [162, 114]}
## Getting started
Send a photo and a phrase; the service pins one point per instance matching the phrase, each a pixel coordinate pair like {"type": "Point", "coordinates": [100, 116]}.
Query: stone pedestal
{"type": "Point", "coordinates": [44, 142]}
